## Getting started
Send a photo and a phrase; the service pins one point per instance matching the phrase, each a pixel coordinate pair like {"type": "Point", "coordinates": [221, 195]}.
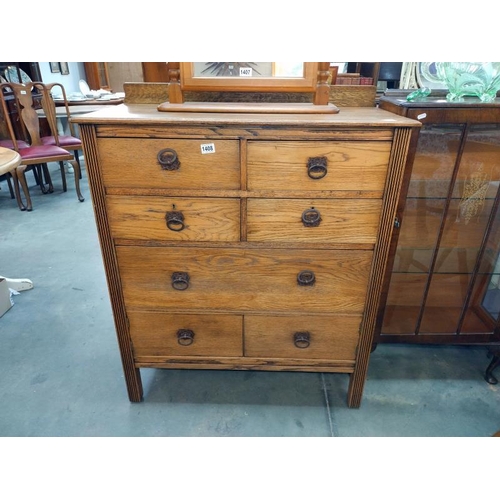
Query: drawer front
{"type": "Point", "coordinates": [174, 219]}
{"type": "Point", "coordinates": [302, 337]}
{"type": "Point", "coordinates": [133, 163]}
{"type": "Point", "coordinates": [161, 334]}
{"type": "Point", "coordinates": [244, 280]}
{"type": "Point", "coordinates": [316, 221]}
{"type": "Point", "coordinates": [351, 166]}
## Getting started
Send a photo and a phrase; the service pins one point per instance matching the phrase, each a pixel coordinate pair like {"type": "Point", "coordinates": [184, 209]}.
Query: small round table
{"type": "Point", "coordinates": [9, 161]}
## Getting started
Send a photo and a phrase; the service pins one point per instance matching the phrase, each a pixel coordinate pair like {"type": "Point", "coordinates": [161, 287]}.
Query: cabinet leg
{"type": "Point", "coordinates": [134, 385]}
{"type": "Point", "coordinates": [488, 375]}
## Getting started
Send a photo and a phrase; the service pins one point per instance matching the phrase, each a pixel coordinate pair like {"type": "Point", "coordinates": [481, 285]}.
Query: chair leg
{"type": "Point", "coordinates": [48, 178]}
{"type": "Point", "coordinates": [76, 152]}
{"type": "Point", "coordinates": [20, 171]}
{"type": "Point", "coordinates": [19, 200]}
{"type": "Point", "coordinates": [76, 166]}
{"type": "Point", "coordinates": [63, 176]}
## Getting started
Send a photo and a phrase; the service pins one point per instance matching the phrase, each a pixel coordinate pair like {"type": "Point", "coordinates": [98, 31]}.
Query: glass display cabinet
{"type": "Point", "coordinates": [444, 281]}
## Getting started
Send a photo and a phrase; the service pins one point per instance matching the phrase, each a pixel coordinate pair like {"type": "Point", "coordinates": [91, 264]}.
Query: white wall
{"type": "Point", "coordinates": [70, 82]}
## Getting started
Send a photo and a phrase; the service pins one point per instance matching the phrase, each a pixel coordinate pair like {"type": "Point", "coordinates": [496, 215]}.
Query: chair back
{"type": "Point", "coordinates": [5, 115]}
{"type": "Point", "coordinates": [29, 119]}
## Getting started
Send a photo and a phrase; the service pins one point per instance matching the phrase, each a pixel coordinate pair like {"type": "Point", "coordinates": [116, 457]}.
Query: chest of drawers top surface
{"type": "Point", "coordinates": [147, 114]}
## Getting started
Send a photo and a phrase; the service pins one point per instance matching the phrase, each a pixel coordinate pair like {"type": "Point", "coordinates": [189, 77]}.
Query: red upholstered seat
{"type": "Point", "coordinates": [64, 140]}
{"type": "Point", "coordinates": [7, 143]}
{"type": "Point", "coordinates": [42, 151]}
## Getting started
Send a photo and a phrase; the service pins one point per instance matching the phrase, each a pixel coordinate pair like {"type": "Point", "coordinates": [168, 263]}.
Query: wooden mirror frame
{"type": "Point", "coordinates": [315, 80]}
{"type": "Point", "coordinates": [306, 83]}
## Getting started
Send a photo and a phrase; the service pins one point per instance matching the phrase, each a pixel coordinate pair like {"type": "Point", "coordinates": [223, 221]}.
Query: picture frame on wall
{"type": "Point", "coordinates": [64, 68]}
{"type": "Point", "coordinates": [54, 67]}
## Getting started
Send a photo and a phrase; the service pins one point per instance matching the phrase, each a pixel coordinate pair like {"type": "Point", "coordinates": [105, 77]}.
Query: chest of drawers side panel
{"type": "Point", "coordinates": [392, 193]}
{"type": "Point", "coordinates": [131, 372]}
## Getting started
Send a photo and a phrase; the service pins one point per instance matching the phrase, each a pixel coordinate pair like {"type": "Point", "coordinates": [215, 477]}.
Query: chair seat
{"type": "Point", "coordinates": [43, 152]}
{"type": "Point", "coordinates": [6, 143]}
{"type": "Point", "coordinates": [64, 140]}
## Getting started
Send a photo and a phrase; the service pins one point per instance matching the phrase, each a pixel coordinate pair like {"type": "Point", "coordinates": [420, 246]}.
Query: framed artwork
{"type": "Point", "coordinates": [249, 76]}
{"type": "Point", "coordinates": [64, 68]}
{"type": "Point", "coordinates": [54, 67]}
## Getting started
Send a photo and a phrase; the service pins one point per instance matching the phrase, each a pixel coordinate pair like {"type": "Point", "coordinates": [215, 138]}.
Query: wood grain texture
{"type": "Point", "coordinates": [155, 334]}
{"type": "Point", "coordinates": [331, 337]}
{"type": "Point", "coordinates": [144, 218]}
{"type": "Point", "coordinates": [274, 165]}
{"type": "Point", "coordinates": [353, 95]}
{"type": "Point", "coordinates": [132, 374]}
{"type": "Point", "coordinates": [145, 93]}
{"type": "Point", "coordinates": [244, 280]}
{"type": "Point", "coordinates": [342, 221]}
{"type": "Point", "coordinates": [391, 197]}
{"type": "Point", "coordinates": [134, 162]}
{"type": "Point", "coordinates": [246, 363]}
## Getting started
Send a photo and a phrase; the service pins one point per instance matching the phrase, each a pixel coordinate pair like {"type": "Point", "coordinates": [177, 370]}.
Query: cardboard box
{"type": "Point", "coordinates": [5, 301]}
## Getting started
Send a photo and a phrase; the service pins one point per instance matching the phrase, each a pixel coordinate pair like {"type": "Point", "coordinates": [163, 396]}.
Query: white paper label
{"type": "Point", "coordinates": [245, 71]}
{"type": "Point", "coordinates": [207, 148]}
{"type": "Point", "coordinates": [422, 116]}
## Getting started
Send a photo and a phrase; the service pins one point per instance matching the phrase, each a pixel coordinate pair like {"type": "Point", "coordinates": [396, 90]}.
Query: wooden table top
{"type": "Point", "coordinates": [9, 160]}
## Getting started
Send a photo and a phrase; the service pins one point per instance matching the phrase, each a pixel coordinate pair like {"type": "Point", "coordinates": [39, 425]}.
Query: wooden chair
{"type": "Point", "coordinates": [36, 154]}
{"type": "Point", "coordinates": [69, 142]}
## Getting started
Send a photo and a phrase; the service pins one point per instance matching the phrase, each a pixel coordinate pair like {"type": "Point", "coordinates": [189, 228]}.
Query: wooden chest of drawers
{"type": "Point", "coordinates": [239, 241]}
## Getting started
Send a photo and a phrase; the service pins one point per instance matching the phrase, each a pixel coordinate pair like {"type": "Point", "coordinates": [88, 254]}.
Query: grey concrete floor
{"type": "Point", "coordinates": [61, 375]}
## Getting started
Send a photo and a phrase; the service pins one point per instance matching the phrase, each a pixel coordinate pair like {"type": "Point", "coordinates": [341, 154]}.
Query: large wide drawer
{"type": "Point", "coordinates": [174, 219]}
{"type": "Point", "coordinates": [317, 165]}
{"type": "Point", "coordinates": [317, 221]}
{"type": "Point", "coordinates": [133, 163]}
{"type": "Point", "coordinates": [244, 279]}
{"type": "Point", "coordinates": [162, 334]}
{"type": "Point", "coordinates": [302, 337]}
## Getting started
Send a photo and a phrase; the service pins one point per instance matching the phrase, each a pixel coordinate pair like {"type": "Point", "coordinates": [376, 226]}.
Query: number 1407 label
{"type": "Point", "coordinates": [207, 148]}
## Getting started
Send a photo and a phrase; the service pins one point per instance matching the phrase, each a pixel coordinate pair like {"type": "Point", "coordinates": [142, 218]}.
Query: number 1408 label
{"type": "Point", "coordinates": [207, 148]}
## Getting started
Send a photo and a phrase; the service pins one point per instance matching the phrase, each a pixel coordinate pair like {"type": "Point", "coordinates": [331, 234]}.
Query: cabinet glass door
{"type": "Point", "coordinates": [445, 279]}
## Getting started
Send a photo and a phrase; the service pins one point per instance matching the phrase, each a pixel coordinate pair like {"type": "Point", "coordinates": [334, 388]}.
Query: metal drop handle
{"type": "Point", "coordinates": [175, 220]}
{"type": "Point", "coordinates": [306, 278]}
{"type": "Point", "coordinates": [168, 159]}
{"type": "Point", "coordinates": [302, 340]}
{"type": "Point", "coordinates": [317, 167]}
{"type": "Point", "coordinates": [180, 281]}
{"type": "Point", "coordinates": [185, 337]}
{"type": "Point", "coordinates": [311, 217]}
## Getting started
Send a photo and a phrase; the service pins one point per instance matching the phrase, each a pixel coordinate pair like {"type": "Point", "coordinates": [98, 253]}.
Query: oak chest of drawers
{"type": "Point", "coordinates": [245, 241]}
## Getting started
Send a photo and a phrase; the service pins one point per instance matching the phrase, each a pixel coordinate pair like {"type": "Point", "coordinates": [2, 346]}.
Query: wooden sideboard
{"type": "Point", "coordinates": [245, 241]}
{"type": "Point", "coordinates": [445, 276]}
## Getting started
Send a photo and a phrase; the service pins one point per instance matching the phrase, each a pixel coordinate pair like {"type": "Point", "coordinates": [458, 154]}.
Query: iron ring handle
{"type": "Point", "coordinates": [180, 281]}
{"type": "Point", "coordinates": [185, 337]}
{"type": "Point", "coordinates": [168, 159]}
{"type": "Point", "coordinates": [317, 167]}
{"type": "Point", "coordinates": [306, 278]}
{"type": "Point", "coordinates": [311, 217]}
{"type": "Point", "coordinates": [175, 221]}
{"type": "Point", "coordinates": [302, 340]}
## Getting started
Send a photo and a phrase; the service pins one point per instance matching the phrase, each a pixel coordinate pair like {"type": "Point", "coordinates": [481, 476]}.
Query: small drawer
{"type": "Point", "coordinates": [160, 334]}
{"type": "Point", "coordinates": [329, 281]}
{"type": "Point", "coordinates": [317, 165]}
{"type": "Point", "coordinates": [314, 221]}
{"type": "Point", "coordinates": [174, 219]}
{"type": "Point", "coordinates": [302, 337]}
{"type": "Point", "coordinates": [169, 163]}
